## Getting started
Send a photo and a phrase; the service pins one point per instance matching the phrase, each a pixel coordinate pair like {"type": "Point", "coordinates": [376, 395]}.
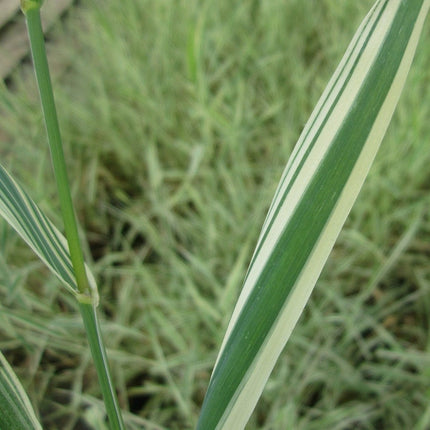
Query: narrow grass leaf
{"type": "Point", "coordinates": [16, 411]}
{"type": "Point", "coordinates": [20, 211]}
{"type": "Point", "coordinates": [317, 190]}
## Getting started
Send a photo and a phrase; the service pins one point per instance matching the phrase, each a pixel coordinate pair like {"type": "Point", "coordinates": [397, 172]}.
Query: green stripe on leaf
{"type": "Point", "coordinates": [19, 210]}
{"type": "Point", "coordinates": [316, 192]}
{"type": "Point", "coordinates": [16, 411]}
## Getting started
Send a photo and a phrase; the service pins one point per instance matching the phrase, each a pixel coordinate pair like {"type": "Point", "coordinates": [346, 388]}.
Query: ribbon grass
{"type": "Point", "coordinates": [62, 255]}
{"type": "Point", "coordinates": [317, 190]}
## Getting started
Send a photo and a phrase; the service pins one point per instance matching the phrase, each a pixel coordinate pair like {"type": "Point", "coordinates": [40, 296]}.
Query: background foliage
{"type": "Point", "coordinates": [178, 118]}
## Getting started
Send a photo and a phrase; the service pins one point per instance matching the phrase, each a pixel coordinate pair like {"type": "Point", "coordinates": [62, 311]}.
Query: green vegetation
{"type": "Point", "coordinates": [178, 119]}
{"type": "Point", "coordinates": [84, 288]}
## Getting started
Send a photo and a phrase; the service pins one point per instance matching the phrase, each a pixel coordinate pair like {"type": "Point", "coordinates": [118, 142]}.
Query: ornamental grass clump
{"type": "Point", "coordinates": [316, 192]}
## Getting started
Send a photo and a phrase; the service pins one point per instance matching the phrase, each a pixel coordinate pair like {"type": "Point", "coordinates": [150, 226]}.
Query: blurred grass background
{"type": "Point", "coordinates": [178, 118]}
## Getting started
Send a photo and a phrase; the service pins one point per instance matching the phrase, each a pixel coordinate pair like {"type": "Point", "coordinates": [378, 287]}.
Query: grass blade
{"type": "Point", "coordinates": [47, 242]}
{"type": "Point", "coordinates": [20, 211]}
{"type": "Point", "coordinates": [16, 411]}
{"type": "Point", "coordinates": [317, 190]}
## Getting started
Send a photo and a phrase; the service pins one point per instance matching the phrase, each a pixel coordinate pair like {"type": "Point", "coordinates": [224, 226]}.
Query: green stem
{"type": "Point", "coordinates": [31, 9]}
{"type": "Point", "coordinates": [92, 327]}
{"type": "Point", "coordinates": [37, 43]}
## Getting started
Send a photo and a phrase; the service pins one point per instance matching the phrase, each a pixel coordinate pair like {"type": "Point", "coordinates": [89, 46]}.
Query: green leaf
{"type": "Point", "coordinates": [19, 210]}
{"type": "Point", "coordinates": [317, 190]}
{"type": "Point", "coordinates": [16, 411]}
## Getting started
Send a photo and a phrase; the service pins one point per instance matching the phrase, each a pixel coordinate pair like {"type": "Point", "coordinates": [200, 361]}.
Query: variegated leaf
{"type": "Point", "coordinates": [20, 211]}
{"type": "Point", "coordinates": [317, 190]}
{"type": "Point", "coordinates": [16, 411]}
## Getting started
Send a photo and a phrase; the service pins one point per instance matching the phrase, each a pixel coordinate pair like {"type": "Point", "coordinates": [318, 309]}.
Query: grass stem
{"type": "Point", "coordinates": [98, 352]}
{"type": "Point", "coordinates": [31, 10]}
{"type": "Point", "coordinates": [38, 50]}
